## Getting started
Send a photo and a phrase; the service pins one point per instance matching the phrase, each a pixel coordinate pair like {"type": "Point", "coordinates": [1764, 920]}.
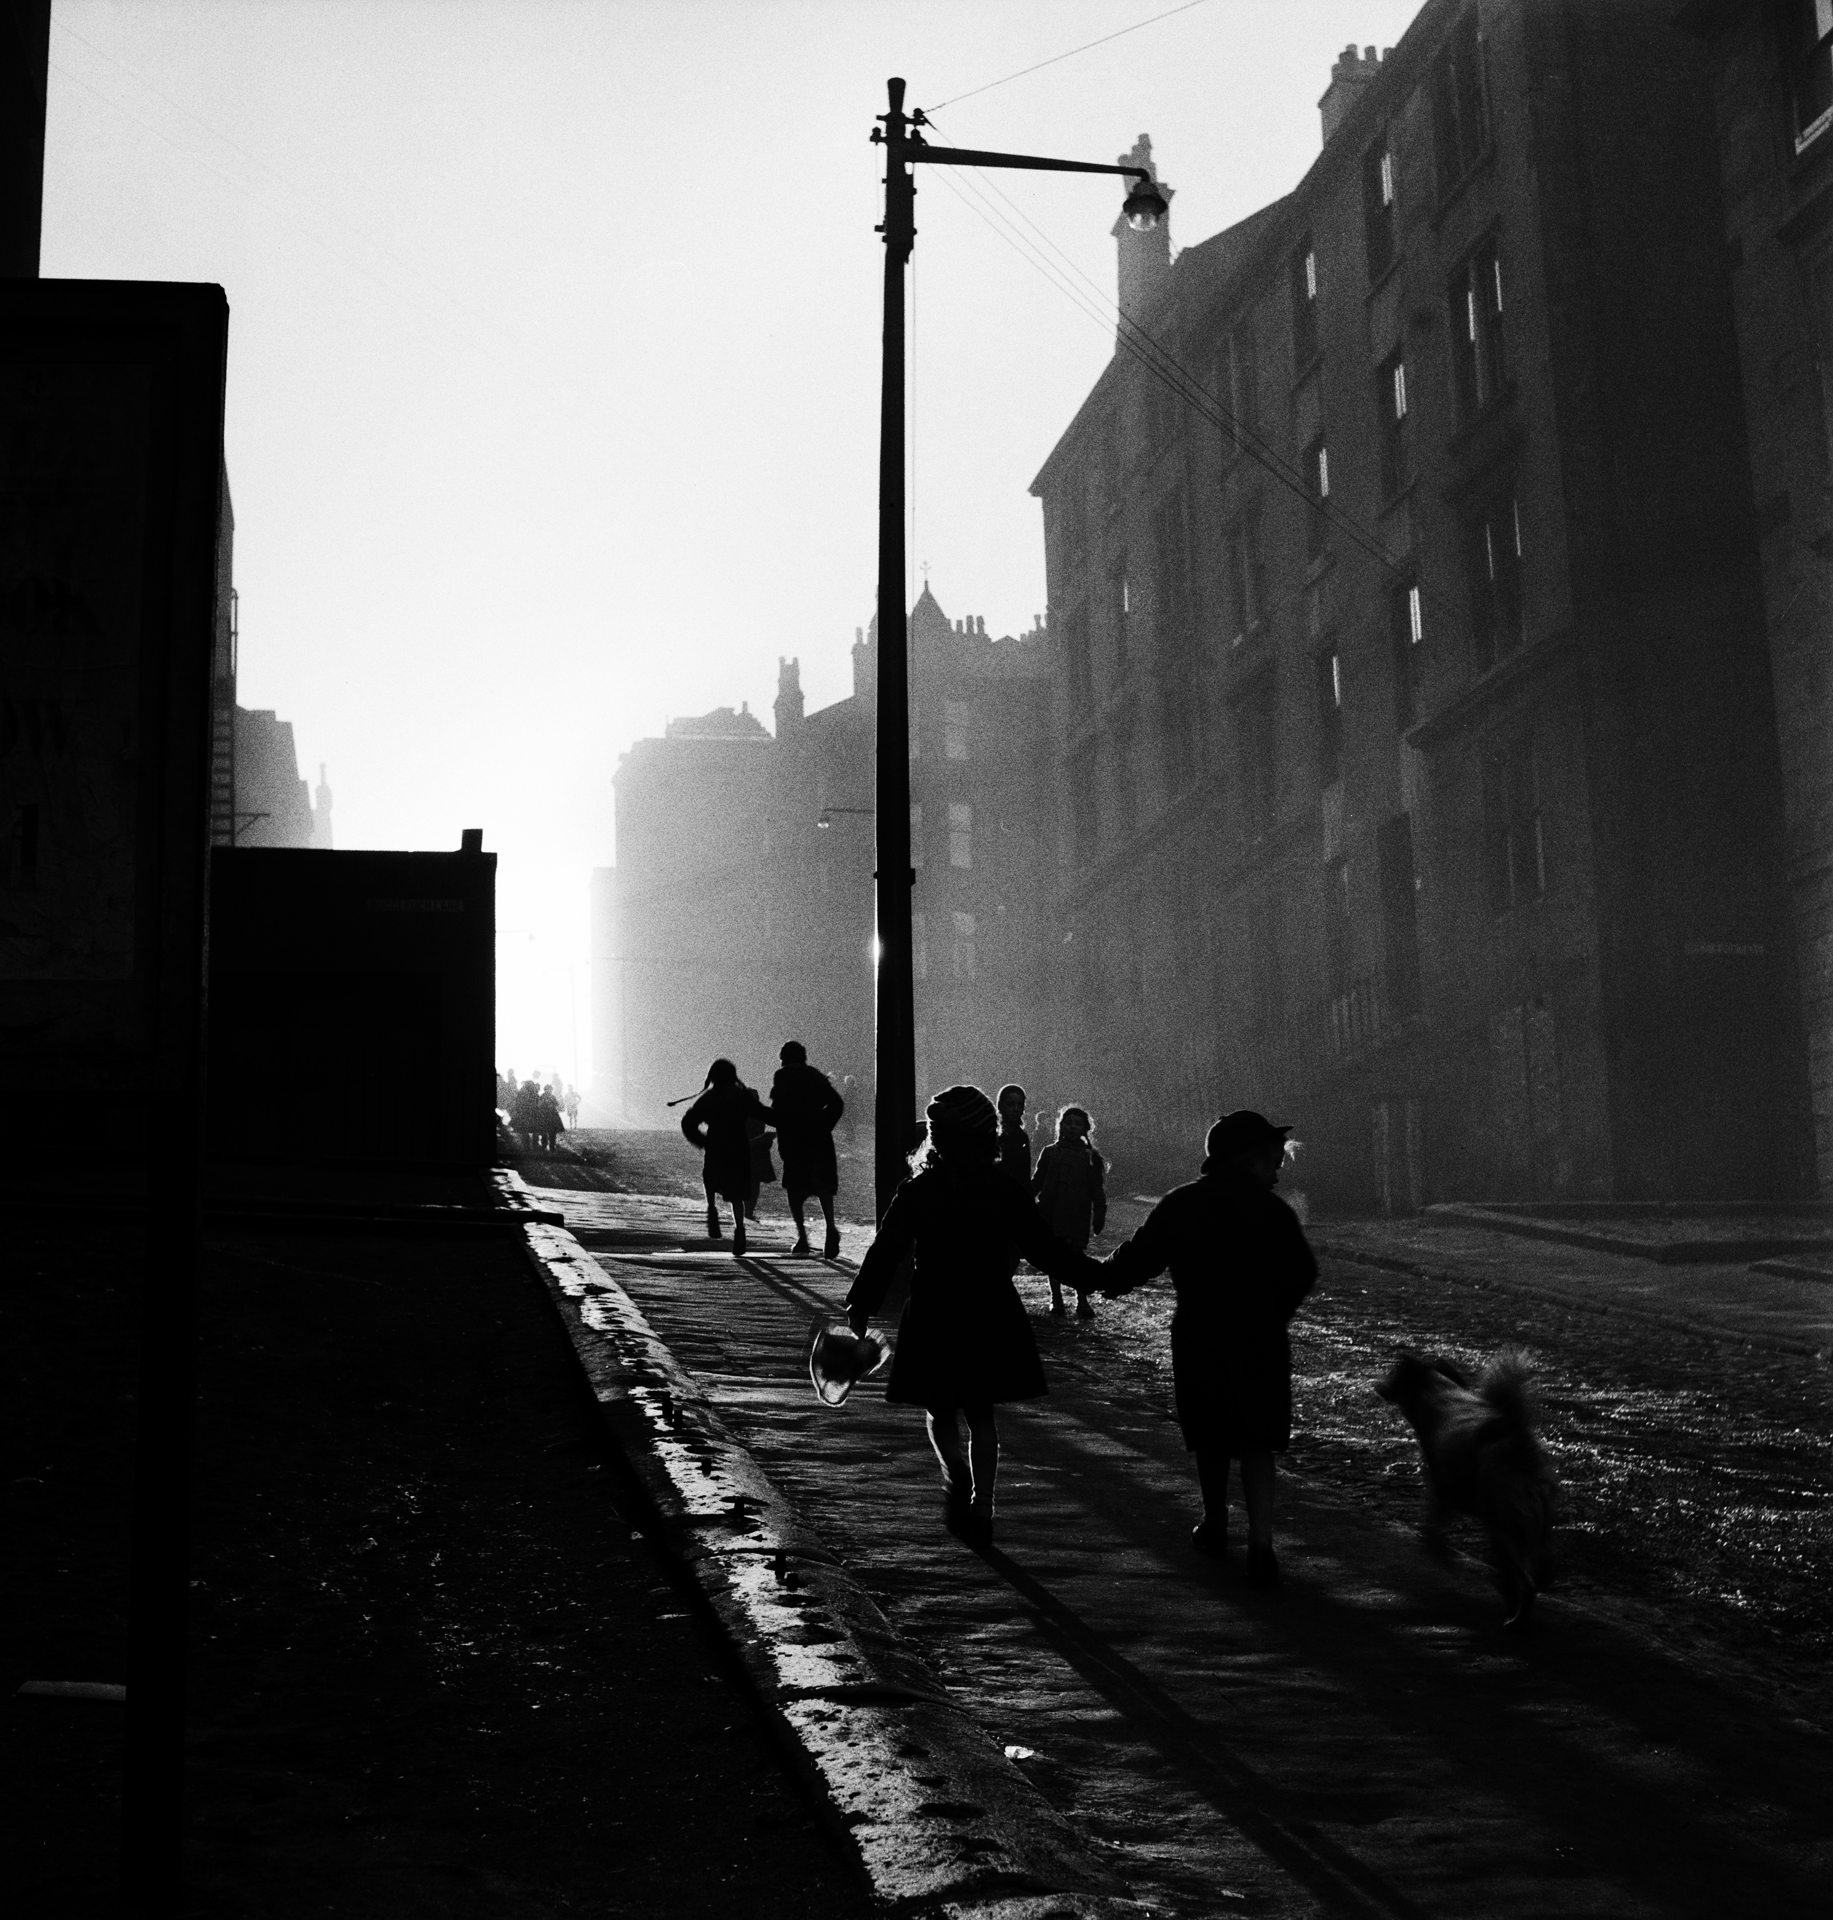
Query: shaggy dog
{"type": "Point", "coordinates": [1481, 1458]}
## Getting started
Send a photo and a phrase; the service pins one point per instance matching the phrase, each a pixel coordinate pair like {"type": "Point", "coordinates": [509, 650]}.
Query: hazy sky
{"type": "Point", "coordinates": [553, 372]}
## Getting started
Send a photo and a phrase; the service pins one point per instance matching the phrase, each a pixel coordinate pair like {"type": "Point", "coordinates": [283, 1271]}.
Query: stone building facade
{"type": "Point", "coordinates": [740, 909]}
{"type": "Point", "coordinates": [1773, 88]}
{"type": "Point", "coordinates": [1417, 759]}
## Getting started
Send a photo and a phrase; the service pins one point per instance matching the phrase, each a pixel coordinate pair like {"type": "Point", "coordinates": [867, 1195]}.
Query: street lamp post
{"type": "Point", "coordinates": [895, 1102]}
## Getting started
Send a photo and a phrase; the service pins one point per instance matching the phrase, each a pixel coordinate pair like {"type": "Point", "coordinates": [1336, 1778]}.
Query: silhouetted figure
{"type": "Point", "coordinates": [964, 1343]}
{"type": "Point", "coordinates": [547, 1116]}
{"type": "Point", "coordinates": [718, 1124]}
{"type": "Point", "coordinates": [1014, 1141]}
{"type": "Point", "coordinates": [806, 1110]}
{"type": "Point", "coordinates": [506, 1092]}
{"type": "Point", "coordinates": [571, 1104]}
{"type": "Point", "coordinates": [1241, 1266]}
{"type": "Point", "coordinates": [1070, 1187]}
{"type": "Point", "coordinates": [525, 1114]}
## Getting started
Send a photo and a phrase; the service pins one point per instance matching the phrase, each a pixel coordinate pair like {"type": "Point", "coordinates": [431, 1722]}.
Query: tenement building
{"type": "Point", "coordinates": [740, 911]}
{"type": "Point", "coordinates": [1415, 742]}
{"type": "Point", "coordinates": [1773, 69]}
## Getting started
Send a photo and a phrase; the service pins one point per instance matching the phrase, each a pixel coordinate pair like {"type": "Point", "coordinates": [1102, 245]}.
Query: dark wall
{"type": "Point", "coordinates": [25, 33]}
{"type": "Point", "coordinates": [1699, 1005]}
{"type": "Point", "coordinates": [352, 1006]}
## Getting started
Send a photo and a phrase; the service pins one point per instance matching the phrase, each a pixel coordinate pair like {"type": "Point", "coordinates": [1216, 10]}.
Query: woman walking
{"type": "Point", "coordinates": [1070, 1187]}
{"type": "Point", "coordinates": [718, 1123]}
{"type": "Point", "coordinates": [964, 1343]}
{"type": "Point", "coordinates": [1241, 1266]}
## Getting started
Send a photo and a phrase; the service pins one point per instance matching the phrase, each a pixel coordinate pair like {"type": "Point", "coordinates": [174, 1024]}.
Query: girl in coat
{"type": "Point", "coordinates": [718, 1123]}
{"type": "Point", "coordinates": [1241, 1266]}
{"type": "Point", "coordinates": [1070, 1187]}
{"type": "Point", "coordinates": [964, 1343]}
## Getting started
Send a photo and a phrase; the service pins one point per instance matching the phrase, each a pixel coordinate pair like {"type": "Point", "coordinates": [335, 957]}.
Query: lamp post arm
{"type": "Point", "coordinates": [916, 150]}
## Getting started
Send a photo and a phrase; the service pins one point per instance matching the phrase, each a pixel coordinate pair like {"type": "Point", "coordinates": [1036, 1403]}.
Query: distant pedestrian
{"type": "Point", "coordinates": [525, 1114]}
{"type": "Point", "coordinates": [806, 1109]}
{"type": "Point", "coordinates": [1070, 1187]}
{"type": "Point", "coordinates": [717, 1123]}
{"type": "Point", "coordinates": [1014, 1141]}
{"type": "Point", "coordinates": [547, 1115]}
{"type": "Point", "coordinates": [1241, 1266]}
{"type": "Point", "coordinates": [964, 1343]}
{"type": "Point", "coordinates": [572, 1107]}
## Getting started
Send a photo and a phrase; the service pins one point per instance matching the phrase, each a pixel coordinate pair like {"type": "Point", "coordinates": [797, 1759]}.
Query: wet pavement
{"type": "Point", "coordinates": [1364, 1739]}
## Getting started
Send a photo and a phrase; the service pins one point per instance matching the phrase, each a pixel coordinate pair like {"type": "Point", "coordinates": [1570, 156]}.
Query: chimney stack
{"type": "Point", "coordinates": [1348, 77]}
{"type": "Point", "coordinates": [1145, 258]}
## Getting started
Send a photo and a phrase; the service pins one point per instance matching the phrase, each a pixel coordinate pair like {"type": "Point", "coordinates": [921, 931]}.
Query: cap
{"type": "Point", "coordinates": [1243, 1131]}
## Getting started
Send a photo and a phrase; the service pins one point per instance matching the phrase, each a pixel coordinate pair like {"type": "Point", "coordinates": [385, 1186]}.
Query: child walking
{"type": "Point", "coordinates": [964, 1343]}
{"type": "Point", "coordinates": [1071, 1193]}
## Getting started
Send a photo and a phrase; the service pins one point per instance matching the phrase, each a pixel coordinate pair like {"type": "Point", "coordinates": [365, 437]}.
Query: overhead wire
{"type": "Point", "coordinates": [1157, 359]}
{"type": "Point", "coordinates": [1055, 58]}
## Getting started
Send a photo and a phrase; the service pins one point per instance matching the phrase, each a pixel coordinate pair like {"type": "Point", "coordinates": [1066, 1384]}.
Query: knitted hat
{"type": "Point", "coordinates": [964, 1111]}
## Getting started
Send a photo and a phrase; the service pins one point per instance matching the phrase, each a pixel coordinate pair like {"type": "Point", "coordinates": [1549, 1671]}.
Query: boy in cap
{"type": "Point", "coordinates": [1241, 1266]}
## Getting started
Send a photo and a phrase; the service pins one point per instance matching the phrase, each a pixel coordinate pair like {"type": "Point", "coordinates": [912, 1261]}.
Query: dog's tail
{"type": "Point", "coordinates": [1505, 1386]}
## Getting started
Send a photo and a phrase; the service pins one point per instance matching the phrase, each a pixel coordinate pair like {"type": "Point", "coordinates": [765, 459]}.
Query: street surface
{"type": "Point", "coordinates": [1364, 1739]}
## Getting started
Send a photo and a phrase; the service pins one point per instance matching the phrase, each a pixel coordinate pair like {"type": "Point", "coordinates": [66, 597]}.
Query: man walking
{"type": "Point", "coordinates": [805, 1109]}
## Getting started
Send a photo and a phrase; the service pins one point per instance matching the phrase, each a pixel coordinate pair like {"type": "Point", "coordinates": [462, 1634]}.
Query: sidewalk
{"type": "Point", "coordinates": [1362, 1740]}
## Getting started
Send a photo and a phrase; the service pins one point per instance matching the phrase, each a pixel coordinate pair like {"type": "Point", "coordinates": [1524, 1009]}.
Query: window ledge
{"type": "Point", "coordinates": [1448, 200]}
{"type": "Point", "coordinates": [1385, 275]}
{"type": "Point", "coordinates": [1399, 497]}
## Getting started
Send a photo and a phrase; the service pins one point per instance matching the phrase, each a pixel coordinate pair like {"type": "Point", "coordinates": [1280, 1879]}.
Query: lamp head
{"type": "Point", "coordinates": [1144, 207]}
{"type": "Point", "coordinates": [824, 819]}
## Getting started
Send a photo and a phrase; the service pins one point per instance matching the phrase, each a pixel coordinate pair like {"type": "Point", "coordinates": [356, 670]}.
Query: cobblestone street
{"type": "Point", "coordinates": [1364, 1739]}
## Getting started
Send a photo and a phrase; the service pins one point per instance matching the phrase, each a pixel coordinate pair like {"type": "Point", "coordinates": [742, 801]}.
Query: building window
{"type": "Point", "coordinates": [22, 848]}
{"type": "Point", "coordinates": [1258, 723]}
{"type": "Point", "coordinates": [1304, 307]}
{"type": "Point", "coordinates": [1075, 657]}
{"type": "Point", "coordinates": [1810, 59]}
{"type": "Point", "coordinates": [1126, 811]}
{"type": "Point", "coordinates": [1339, 936]}
{"type": "Point", "coordinates": [1171, 537]}
{"type": "Point", "coordinates": [1317, 481]}
{"type": "Point", "coordinates": [919, 947]}
{"type": "Point", "coordinates": [1399, 912]}
{"type": "Point", "coordinates": [960, 834]}
{"type": "Point", "coordinates": [1265, 971]}
{"type": "Point", "coordinates": [916, 835]}
{"type": "Point", "coordinates": [954, 729]}
{"type": "Point", "coordinates": [1246, 582]}
{"type": "Point", "coordinates": [1495, 581]}
{"type": "Point", "coordinates": [1329, 717]}
{"type": "Point", "coordinates": [1460, 104]}
{"type": "Point", "coordinates": [1481, 367]}
{"type": "Point", "coordinates": [1120, 615]}
{"type": "Point", "coordinates": [1392, 411]}
{"type": "Point", "coordinates": [1378, 206]}
{"type": "Point", "coordinates": [1514, 849]}
{"type": "Point", "coordinates": [1084, 817]}
{"type": "Point", "coordinates": [1241, 385]}
{"type": "Point", "coordinates": [1178, 735]}
{"type": "Point", "coordinates": [1406, 630]}
{"type": "Point", "coordinates": [961, 962]}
